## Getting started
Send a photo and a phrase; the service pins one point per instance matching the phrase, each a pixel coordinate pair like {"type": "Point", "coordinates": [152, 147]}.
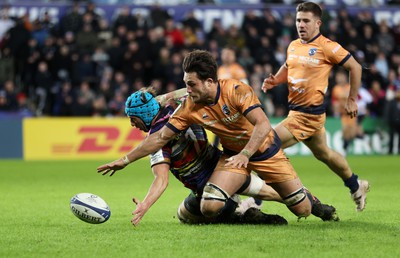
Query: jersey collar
{"type": "Point", "coordinates": [217, 96]}
{"type": "Point", "coordinates": [319, 34]}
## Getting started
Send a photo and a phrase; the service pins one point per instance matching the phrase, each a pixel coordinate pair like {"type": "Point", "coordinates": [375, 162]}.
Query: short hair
{"type": "Point", "coordinates": [202, 63]}
{"type": "Point", "coordinates": [311, 7]}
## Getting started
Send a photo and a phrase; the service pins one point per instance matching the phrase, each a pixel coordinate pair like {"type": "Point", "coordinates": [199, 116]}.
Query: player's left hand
{"type": "Point", "coordinates": [351, 107]}
{"type": "Point", "coordinates": [111, 167]}
{"type": "Point", "coordinates": [237, 161]}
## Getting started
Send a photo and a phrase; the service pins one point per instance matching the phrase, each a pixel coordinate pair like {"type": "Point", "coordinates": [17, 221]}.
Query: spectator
{"type": "Point", "coordinates": [126, 19]}
{"type": "Point", "coordinates": [117, 104]}
{"type": "Point", "coordinates": [86, 39]}
{"type": "Point", "coordinates": [392, 116]}
{"type": "Point", "coordinates": [43, 85]}
{"type": "Point", "coordinates": [64, 100]}
{"type": "Point", "coordinates": [6, 65]}
{"type": "Point", "coordinates": [17, 41]}
{"type": "Point", "coordinates": [72, 20]}
{"type": "Point", "coordinates": [6, 23]}
{"type": "Point", "coordinates": [158, 17]}
{"type": "Point", "coordinates": [83, 105]}
{"type": "Point", "coordinates": [235, 38]}
{"type": "Point", "coordinates": [191, 21]}
{"type": "Point", "coordinates": [385, 39]}
{"type": "Point", "coordinates": [174, 33]}
{"type": "Point", "coordinates": [377, 105]}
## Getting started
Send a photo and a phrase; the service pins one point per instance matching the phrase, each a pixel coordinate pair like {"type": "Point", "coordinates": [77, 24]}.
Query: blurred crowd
{"type": "Point", "coordinates": [85, 65]}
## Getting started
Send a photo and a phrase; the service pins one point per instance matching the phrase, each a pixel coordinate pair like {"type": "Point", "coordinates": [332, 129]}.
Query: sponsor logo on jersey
{"type": "Point", "coordinates": [312, 51]}
{"type": "Point", "coordinates": [226, 110]}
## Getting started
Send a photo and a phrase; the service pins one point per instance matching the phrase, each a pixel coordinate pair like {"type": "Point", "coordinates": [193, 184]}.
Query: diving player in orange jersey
{"type": "Point", "coordinates": [308, 64]}
{"type": "Point", "coordinates": [231, 110]}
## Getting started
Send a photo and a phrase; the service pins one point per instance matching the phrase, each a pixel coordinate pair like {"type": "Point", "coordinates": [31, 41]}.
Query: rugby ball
{"type": "Point", "coordinates": [90, 208]}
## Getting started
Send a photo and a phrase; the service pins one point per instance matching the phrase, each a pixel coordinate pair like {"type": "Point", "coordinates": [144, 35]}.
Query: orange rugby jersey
{"type": "Point", "coordinates": [233, 71]}
{"type": "Point", "coordinates": [226, 118]}
{"type": "Point", "coordinates": [340, 93]}
{"type": "Point", "coordinates": [309, 65]}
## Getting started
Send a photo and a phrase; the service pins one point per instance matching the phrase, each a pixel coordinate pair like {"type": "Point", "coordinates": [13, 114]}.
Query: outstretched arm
{"type": "Point", "coordinates": [149, 145]}
{"type": "Point", "coordinates": [274, 80]}
{"type": "Point", "coordinates": [355, 71]}
{"type": "Point", "coordinates": [156, 189]}
{"type": "Point", "coordinates": [171, 96]}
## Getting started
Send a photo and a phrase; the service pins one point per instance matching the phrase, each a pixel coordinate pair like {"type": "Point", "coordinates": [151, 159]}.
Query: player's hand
{"type": "Point", "coordinates": [351, 108]}
{"type": "Point", "coordinates": [139, 212]}
{"type": "Point", "coordinates": [111, 167]}
{"type": "Point", "coordinates": [237, 161]}
{"type": "Point", "coordinates": [268, 83]}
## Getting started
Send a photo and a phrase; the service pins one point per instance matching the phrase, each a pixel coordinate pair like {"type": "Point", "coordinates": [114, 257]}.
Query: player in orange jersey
{"type": "Point", "coordinates": [231, 110]}
{"type": "Point", "coordinates": [229, 68]}
{"type": "Point", "coordinates": [340, 93]}
{"type": "Point", "coordinates": [309, 61]}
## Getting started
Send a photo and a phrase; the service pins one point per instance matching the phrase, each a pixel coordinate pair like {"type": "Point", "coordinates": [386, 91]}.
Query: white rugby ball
{"type": "Point", "coordinates": [90, 208]}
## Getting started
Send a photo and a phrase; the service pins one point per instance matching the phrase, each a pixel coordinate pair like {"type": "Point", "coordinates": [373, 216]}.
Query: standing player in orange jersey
{"type": "Point", "coordinates": [340, 93]}
{"type": "Point", "coordinates": [309, 61]}
{"type": "Point", "coordinates": [229, 68]}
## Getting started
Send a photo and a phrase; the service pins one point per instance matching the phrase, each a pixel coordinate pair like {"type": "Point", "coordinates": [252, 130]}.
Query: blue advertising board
{"type": "Point", "coordinates": [11, 138]}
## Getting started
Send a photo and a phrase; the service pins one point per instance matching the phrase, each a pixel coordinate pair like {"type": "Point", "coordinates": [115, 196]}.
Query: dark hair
{"type": "Point", "coordinates": [202, 63]}
{"type": "Point", "coordinates": [311, 7]}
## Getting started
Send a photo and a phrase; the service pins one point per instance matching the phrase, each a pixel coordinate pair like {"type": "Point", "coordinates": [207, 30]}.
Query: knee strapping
{"type": "Point", "coordinates": [255, 185]}
{"type": "Point", "coordinates": [214, 192]}
{"type": "Point", "coordinates": [295, 197]}
{"type": "Point", "coordinates": [192, 204]}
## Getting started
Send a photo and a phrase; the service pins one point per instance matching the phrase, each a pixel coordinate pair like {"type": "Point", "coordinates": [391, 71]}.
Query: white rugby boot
{"type": "Point", "coordinates": [360, 196]}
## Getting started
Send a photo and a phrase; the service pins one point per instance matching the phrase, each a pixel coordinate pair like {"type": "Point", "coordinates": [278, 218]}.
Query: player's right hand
{"type": "Point", "coordinates": [138, 213]}
{"type": "Point", "coordinates": [111, 167]}
{"type": "Point", "coordinates": [268, 83]}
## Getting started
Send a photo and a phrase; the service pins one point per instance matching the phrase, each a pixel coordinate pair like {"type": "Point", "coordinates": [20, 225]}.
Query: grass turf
{"type": "Point", "coordinates": [36, 220]}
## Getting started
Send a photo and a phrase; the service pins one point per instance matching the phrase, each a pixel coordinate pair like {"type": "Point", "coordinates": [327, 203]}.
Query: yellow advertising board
{"type": "Point", "coordinates": [78, 138]}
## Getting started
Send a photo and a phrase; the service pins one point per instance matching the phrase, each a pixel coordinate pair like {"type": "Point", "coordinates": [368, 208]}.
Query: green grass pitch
{"type": "Point", "coordinates": [36, 220]}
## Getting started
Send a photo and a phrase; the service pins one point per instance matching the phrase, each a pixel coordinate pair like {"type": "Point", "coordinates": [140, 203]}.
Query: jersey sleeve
{"type": "Point", "coordinates": [244, 97]}
{"type": "Point", "coordinates": [179, 120]}
{"type": "Point", "coordinates": [335, 53]}
{"type": "Point", "coordinates": [160, 156]}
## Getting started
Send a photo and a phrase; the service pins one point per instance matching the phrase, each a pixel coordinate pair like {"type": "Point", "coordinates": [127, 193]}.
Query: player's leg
{"type": "Point", "coordinates": [285, 135]}
{"type": "Point", "coordinates": [278, 172]}
{"type": "Point", "coordinates": [349, 132]}
{"type": "Point", "coordinates": [294, 196]}
{"type": "Point", "coordinates": [218, 190]}
{"type": "Point", "coordinates": [189, 211]}
{"type": "Point", "coordinates": [338, 164]}
{"type": "Point", "coordinates": [259, 190]}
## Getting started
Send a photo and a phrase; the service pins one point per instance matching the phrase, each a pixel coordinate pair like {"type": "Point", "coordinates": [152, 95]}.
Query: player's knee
{"type": "Point", "coordinates": [211, 208]}
{"type": "Point", "coordinates": [213, 200]}
{"type": "Point", "coordinates": [187, 217]}
{"type": "Point", "coordinates": [298, 203]}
